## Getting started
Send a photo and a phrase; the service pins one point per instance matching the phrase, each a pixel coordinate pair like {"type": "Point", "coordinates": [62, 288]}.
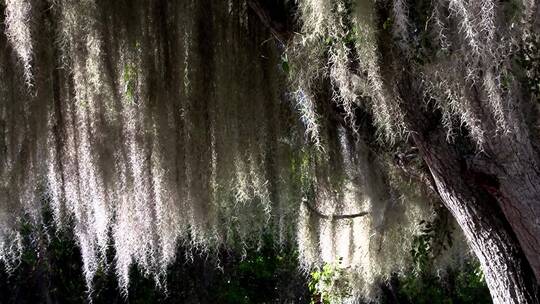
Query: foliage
{"type": "Point", "coordinates": [51, 267]}
{"type": "Point", "coordinates": [465, 286]}
{"type": "Point", "coordinates": [434, 237]}
{"type": "Point", "coordinates": [427, 284]}
{"type": "Point", "coordinates": [329, 284]}
{"type": "Point", "coordinates": [130, 80]}
{"type": "Point", "coordinates": [528, 59]}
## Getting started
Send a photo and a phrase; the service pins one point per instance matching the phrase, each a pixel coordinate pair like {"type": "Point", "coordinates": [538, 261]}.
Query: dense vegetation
{"type": "Point", "coordinates": [387, 148]}
{"type": "Point", "coordinates": [51, 270]}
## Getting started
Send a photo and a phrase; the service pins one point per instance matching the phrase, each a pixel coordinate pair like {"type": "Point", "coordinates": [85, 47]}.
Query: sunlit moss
{"type": "Point", "coordinates": [153, 126]}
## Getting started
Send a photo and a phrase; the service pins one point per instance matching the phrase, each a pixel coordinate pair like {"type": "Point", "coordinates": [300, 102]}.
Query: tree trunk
{"type": "Point", "coordinates": [518, 191]}
{"type": "Point", "coordinates": [513, 164]}
{"type": "Point", "coordinates": [507, 273]}
{"type": "Point", "coordinates": [466, 194]}
{"type": "Point", "coordinates": [463, 191]}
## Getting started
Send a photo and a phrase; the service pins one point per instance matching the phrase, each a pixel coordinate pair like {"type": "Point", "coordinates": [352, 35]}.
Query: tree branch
{"type": "Point", "coordinates": [333, 216]}
{"type": "Point", "coordinates": [402, 161]}
{"type": "Point", "coordinates": [278, 29]}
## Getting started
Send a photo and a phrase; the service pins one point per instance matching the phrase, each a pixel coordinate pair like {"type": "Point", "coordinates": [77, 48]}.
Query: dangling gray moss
{"type": "Point", "coordinates": [149, 124]}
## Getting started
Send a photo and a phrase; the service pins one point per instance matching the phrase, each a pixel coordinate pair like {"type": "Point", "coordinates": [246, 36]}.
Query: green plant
{"type": "Point", "coordinates": [130, 76]}
{"type": "Point", "coordinates": [329, 283]}
{"type": "Point", "coordinates": [435, 236]}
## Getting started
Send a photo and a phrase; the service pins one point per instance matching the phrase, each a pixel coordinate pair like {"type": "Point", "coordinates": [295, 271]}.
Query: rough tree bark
{"type": "Point", "coordinates": [505, 269]}
{"type": "Point", "coordinates": [466, 193]}
{"type": "Point", "coordinates": [515, 166]}
{"type": "Point", "coordinates": [507, 273]}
